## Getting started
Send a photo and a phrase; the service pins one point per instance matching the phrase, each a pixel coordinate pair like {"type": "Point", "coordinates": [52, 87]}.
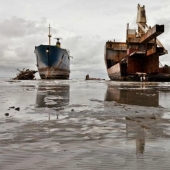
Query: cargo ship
{"type": "Point", "coordinates": [53, 62]}
{"type": "Point", "coordinates": [138, 57]}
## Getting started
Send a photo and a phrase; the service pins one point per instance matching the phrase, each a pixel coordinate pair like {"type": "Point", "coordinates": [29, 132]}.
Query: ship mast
{"type": "Point", "coordinates": [141, 20]}
{"type": "Point", "coordinates": [49, 35]}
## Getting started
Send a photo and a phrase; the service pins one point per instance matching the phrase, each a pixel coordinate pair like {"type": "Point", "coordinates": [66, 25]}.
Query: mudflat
{"type": "Point", "coordinates": [78, 124]}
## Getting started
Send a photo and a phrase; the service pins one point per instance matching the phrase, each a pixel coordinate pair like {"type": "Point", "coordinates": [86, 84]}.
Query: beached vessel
{"type": "Point", "coordinates": [53, 62]}
{"type": "Point", "coordinates": [137, 58]}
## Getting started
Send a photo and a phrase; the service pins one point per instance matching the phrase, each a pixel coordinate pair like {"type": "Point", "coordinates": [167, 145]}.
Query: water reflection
{"type": "Point", "coordinates": [53, 96]}
{"type": "Point", "coordinates": [139, 133]}
{"type": "Point", "coordinates": [140, 145]}
{"type": "Point", "coordinates": [141, 95]}
{"type": "Point", "coordinates": [136, 96]}
{"type": "Point", "coordinates": [142, 124]}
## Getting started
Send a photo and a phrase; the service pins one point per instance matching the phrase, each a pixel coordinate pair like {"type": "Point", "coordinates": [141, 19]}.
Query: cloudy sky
{"type": "Point", "coordinates": [84, 25]}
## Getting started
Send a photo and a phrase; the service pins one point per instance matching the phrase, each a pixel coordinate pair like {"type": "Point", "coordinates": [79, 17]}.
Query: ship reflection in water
{"type": "Point", "coordinates": [135, 96]}
{"type": "Point", "coordinates": [140, 133]}
{"type": "Point", "coordinates": [140, 95]}
{"type": "Point", "coordinates": [137, 123]}
{"type": "Point", "coordinates": [54, 97]}
{"type": "Point", "coordinates": [140, 142]}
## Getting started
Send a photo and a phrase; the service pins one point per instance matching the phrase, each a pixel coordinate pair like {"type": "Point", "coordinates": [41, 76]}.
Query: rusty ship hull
{"type": "Point", "coordinates": [52, 62]}
{"type": "Point", "coordinates": [138, 57]}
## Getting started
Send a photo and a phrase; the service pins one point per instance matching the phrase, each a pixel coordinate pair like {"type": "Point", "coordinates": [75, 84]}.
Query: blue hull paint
{"type": "Point", "coordinates": [52, 62]}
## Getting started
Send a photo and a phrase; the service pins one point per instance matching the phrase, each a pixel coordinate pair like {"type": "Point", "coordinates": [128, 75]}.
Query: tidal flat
{"type": "Point", "coordinates": [87, 125]}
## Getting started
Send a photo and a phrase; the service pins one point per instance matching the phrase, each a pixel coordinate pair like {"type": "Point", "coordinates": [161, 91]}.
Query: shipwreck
{"type": "Point", "coordinates": [137, 59]}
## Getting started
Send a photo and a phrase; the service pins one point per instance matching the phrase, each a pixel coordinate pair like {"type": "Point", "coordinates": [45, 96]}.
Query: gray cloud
{"type": "Point", "coordinates": [88, 55]}
{"type": "Point", "coordinates": [85, 26]}
{"type": "Point", "coordinates": [18, 38]}
{"type": "Point", "coordinates": [18, 47]}
{"type": "Point", "coordinates": [18, 27]}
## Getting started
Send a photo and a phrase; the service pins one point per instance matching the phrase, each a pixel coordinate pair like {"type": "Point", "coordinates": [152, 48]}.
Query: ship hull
{"type": "Point", "coordinates": [52, 62]}
{"type": "Point", "coordinates": [115, 74]}
{"type": "Point", "coordinates": [129, 65]}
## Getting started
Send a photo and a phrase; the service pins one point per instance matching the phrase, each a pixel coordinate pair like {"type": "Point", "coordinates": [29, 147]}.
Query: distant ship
{"type": "Point", "coordinates": [137, 58]}
{"type": "Point", "coordinates": [53, 62]}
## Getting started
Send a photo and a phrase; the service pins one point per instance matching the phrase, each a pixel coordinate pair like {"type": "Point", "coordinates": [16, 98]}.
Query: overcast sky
{"type": "Point", "coordinates": [84, 25]}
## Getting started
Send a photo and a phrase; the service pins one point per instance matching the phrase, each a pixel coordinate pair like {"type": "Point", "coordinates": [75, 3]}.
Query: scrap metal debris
{"type": "Point", "coordinates": [90, 78]}
{"type": "Point", "coordinates": [25, 75]}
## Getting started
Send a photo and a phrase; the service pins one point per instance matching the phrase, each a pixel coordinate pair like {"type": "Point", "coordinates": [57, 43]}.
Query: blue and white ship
{"type": "Point", "coordinates": [53, 62]}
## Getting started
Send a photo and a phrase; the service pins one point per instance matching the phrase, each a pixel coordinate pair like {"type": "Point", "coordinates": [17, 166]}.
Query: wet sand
{"type": "Point", "coordinates": [90, 125]}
